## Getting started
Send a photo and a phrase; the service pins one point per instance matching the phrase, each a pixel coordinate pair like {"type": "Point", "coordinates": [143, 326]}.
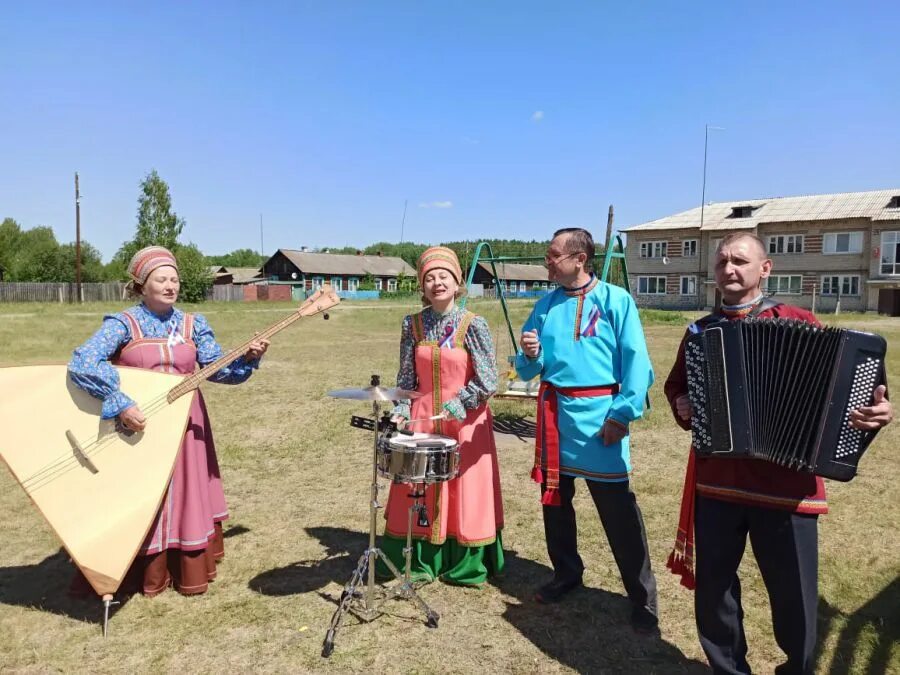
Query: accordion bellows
{"type": "Point", "coordinates": [782, 391]}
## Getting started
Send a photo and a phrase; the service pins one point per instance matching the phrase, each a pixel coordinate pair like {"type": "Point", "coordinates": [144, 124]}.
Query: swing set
{"type": "Point", "coordinates": [614, 251]}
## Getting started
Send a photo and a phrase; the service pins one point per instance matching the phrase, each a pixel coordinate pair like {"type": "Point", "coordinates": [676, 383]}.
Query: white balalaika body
{"type": "Point", "coordinates": [100, 501]}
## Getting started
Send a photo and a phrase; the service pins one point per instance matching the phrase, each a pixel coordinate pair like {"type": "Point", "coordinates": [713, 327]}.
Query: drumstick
{"type": "Point", "coordinates": [425, 419]}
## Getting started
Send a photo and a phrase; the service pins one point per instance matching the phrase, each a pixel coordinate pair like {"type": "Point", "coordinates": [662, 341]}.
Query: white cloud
{"type": "Point", "coordinates": [537, 116]}
{"type": "Point", "coordinates": [436, 205]}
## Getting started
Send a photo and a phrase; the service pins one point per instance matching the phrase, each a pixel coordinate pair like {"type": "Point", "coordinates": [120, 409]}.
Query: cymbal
{"type": "Point", "coordinates": [374, 394]}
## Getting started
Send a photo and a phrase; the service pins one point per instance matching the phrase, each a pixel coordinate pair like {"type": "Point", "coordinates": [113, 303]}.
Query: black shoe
{"type": "Point", "coordinates": [644, 622]}
{"type": "Point", "coordinates": [555, 590]}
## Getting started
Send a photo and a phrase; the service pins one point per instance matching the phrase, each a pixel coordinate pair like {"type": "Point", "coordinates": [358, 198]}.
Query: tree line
{"type": "Point", "coordinates": [36, 255]}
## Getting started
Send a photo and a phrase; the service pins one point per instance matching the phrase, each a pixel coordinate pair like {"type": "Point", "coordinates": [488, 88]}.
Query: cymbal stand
{"type": "Point", "coordinates": [364, 603]}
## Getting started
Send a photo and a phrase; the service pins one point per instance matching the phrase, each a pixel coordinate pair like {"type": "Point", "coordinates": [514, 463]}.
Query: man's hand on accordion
{"type": "Point", "coordinates": [683, 407]}
{"type": "Point", "coordinates": [875, 416]}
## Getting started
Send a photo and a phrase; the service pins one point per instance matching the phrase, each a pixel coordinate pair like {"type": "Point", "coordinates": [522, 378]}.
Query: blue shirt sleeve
{"type": "Point", "coordinates": [406, 375]}
{"type": "Point", "coordinates": [636, 371]}
{"type": "Point", "coordinates": [526, 367]}
{"type": "Point", "coordinates": [208, 350]}
{"type": "Point", "coordinates": [90, 368]}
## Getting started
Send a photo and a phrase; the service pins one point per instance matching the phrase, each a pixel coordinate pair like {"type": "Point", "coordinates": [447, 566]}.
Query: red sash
{"type": "Point", "coordinates": [547, 420]}
{"type": "Point", "coordinates": [681, 559]}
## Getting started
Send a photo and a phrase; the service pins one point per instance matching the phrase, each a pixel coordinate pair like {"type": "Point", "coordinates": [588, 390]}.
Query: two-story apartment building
{"type": "Point", "coordinates": [825, 248]}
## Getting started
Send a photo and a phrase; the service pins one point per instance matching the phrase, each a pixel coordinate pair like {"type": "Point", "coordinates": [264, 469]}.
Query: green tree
{"type": "Point", "coordinates": [158, 225]}
{"type": "Point", "coordinates": [92, 268]}
{"type": "Point", "coordinates": [10, 235]}
{"type": "Point", "coordinates": [193, 273]}
{"type": "Point", "coordinates": [242, 257]}
{"type": "Point", "coordinates": [37, 257]}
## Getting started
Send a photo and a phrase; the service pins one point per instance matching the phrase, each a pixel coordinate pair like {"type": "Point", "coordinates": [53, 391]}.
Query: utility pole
{"type": "Point", "coordinates": [403, 221]}
{"type": "Point", "coordinates": [609, 224]}
{"type": "Point", "coordinates": [705, 147]}
{"type": "Point", "coordinates": [77, 241]}
{"type": "Point", "coordinates": [262, 246]}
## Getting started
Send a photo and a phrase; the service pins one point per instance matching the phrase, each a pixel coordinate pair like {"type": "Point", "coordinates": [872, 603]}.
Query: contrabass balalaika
{"type": "Point", "coordinates": [782, 391]}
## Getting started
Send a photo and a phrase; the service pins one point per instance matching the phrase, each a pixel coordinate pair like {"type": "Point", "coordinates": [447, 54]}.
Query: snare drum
{"type": "Point", "coordinates": [419, 458]}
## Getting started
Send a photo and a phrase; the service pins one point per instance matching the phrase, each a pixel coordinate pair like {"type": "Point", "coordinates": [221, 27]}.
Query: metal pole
{"type": "Point", "coordinates": [703, 194]}
{"type": "Point", "coordinates": [77, 241]}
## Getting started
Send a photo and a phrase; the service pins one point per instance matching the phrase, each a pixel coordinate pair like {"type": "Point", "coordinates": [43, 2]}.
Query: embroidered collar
{"type": "Point", "coordinates": [743, 309]}
{"type": "Point", "coordinates": [165, 316]}
{"type": "Point", "coordinates": [583, 290]}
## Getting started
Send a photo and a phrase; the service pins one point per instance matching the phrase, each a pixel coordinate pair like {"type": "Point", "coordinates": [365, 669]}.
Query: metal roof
{"type": "Point", "coordinates": [517, 271]}
{"type": "Point", "coordinates": [840, 206]}
{"type": "Point", "coordinates": [335, 263]}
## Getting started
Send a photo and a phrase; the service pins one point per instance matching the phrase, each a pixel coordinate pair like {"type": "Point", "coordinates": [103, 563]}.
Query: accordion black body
{"type": "Point", "coordinates": [782, 391]}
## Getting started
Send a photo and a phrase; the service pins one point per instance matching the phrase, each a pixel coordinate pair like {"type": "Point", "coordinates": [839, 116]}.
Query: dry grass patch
{"type": "Point", "coordinates": [296, 477]}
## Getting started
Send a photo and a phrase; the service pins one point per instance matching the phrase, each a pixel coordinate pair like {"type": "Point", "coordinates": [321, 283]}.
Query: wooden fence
{"type": "Point", "coordinates": [11, 291]}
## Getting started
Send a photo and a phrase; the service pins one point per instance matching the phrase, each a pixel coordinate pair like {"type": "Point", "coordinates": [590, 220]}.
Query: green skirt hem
{"type": "Point", "coordinates": [451, 562]}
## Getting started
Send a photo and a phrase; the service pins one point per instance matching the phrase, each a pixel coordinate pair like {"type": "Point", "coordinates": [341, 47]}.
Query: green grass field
{"type": "Point", "coordinates": [296, 477]}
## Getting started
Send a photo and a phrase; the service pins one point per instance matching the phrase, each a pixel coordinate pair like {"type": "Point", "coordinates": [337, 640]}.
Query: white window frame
{"type": "Point", "coordinates": [336, 283]}
{"type": "Point", "coordinates": [785, 244]}
{"type": "Point", "coordinates": [659, 282]}
{"type": "Point", "coordinates": [890, 253]}
{"type": "Point", "coordinates": [830, 241]}
{"type": "Point", "coordinates": [552, 286]}
{"type": "Point", "coordinates": [392, 285]}
{"type": "Point", "coordinates": [352, 284]}
{"type": "Point", "coordinates": [654, 249]}
{"type": "Point", "coordinates": [318, 282]}
{"type": "Point", "coordinates": [523, 287]}
{"type": "Point", "coordinates": [844, 282]}
{"type": "Point", "coordinates": [784, 284]}
{"type": "Point", "coordinates": [691, 285]}
{"type": "Point", "coordinates": [689, 248]}
{"type": "Point", "coordinates": [379, 284]}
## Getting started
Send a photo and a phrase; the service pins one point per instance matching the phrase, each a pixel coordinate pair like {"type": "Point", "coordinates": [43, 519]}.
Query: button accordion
{"type": "Point", "coordinates": [782, 391]}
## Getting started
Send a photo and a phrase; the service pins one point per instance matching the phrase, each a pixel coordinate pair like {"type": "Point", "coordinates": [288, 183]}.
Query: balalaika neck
{"type": "Point", "coordinates": [192, 382]}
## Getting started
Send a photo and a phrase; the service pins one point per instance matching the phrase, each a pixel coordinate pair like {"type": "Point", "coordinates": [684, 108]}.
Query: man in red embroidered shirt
{"type": "Point", "coordinates": [729, 499]}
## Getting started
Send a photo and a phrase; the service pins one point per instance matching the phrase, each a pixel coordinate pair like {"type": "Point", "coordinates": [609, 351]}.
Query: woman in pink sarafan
{"type": "Point", "coordinates": [185, 542]}
{"type": "Point", "coordinates": [447, 354]}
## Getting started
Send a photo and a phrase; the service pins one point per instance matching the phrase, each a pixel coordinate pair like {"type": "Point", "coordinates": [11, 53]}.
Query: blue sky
{"type": "Point", "coordinates": [493, 119]}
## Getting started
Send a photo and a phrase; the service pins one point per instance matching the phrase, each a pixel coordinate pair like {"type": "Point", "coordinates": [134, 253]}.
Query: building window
{"type": "Point", "coordinates": [651, 285]}
{"type": "Point", "coordinates": [544, 285]}
{"type": "Point", "coordinates": [536, 286]}
{"type": "Point", "coordinates": [842, 242]}
{"type": "Point", "coordinates": [552, 286]}
{"type": "Point", "coordinates": [847, 284]}
{"type": "Point", "coordinates": [379, 284]}
{"type": "Point", "coordinates": [336, 283]}
{"type": "Point", "coordinates": [689, 248]}
{"type": "Point", "coordinates": [784, 284]}
{"type": "Point", "coordinates": [352, 284]}
{"type": "Point", "coordinates": [522, 287]}
{"type": "Point", "coordinates": [786, 243]}
{"type": "Point", "coordinates": [689, 285]}
{"type": "Point", "coordinates": [392, 285]}
{"type": "Point", "coordinates": [654, 249]}
{"type": "Point", "coordinates": [742, 211]}
{"type": "Point", "coordinates": [890, 252]}
{"type": "Point", "coordinates": [318, 282]}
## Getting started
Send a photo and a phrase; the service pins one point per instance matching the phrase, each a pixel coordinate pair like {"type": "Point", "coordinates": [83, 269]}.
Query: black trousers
{"type": "Point", "coordinates": [785, 545]}
{"type": "Point", "coordinates": [624, 527]}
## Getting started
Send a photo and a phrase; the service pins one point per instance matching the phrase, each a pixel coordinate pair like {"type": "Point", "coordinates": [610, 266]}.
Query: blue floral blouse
{"type": "Point", "coordinates": [91, 370]}
{"type": "Point", "coordinates": [478, 342]}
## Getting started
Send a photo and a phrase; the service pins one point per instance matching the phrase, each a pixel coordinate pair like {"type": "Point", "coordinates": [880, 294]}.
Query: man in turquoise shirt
{"type": "Point", "coordinates": [586, 342]}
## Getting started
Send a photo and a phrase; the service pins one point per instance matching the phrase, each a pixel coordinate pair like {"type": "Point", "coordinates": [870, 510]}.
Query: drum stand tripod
{"type": "Point", "coordinates": [359, 595]}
